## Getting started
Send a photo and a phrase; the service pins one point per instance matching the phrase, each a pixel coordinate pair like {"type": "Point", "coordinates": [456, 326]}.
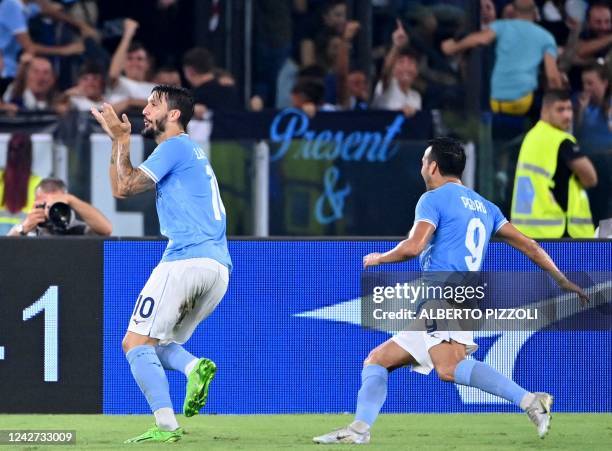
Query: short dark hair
{"type": "Point", "coordinates": [449, 155]}
{"type": "Point", "coordinates": [177, 98]}
{"type": "Point", "coordinates": [331, 4]}
{"type": "Point", "coordinates": [91, 67]}
{"type": "Point", "coordinates": [556, 95]}
{"type": "Point", "coordinates": [312, 71]}
{"type": "Point", "coordinates": [408, 52]}
{"type": "Point", "coordinates": [312, 89]}
{"type": "Point", "coordinates": [598, 68]}
{"type": "Point", "coordinates": [199, 59]}
{"type": "Point", "coordinates": [52, 184]}
{"type": "Point", "coordinates": [603, 4]}
{"type": "Point", "coordinates": [137, 45]}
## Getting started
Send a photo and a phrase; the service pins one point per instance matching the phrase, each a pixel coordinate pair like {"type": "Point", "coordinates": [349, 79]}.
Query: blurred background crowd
{"type": "Point", "coordinates": [463, 58]}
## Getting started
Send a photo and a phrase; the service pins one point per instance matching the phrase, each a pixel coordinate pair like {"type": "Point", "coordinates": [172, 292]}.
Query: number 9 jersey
{"type": "Point", "coordinates": [464, 222]}
{"type": "Point", "coordinates": [191, 213]}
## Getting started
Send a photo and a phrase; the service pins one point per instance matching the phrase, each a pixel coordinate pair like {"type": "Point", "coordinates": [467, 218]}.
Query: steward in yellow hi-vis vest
{"type": "Point", "coordinates": [549, 199]}
{"type": "Point", "coordinates": [9, 219]}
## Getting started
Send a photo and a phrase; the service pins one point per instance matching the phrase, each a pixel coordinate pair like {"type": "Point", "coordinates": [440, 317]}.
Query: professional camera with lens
{"type": "Point", "coordinates": [58, 217]}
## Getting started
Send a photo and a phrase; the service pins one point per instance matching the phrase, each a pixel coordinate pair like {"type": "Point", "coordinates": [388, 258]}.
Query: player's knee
{"type": "Point", "coordinates": [446, 372]}
{"type": "Point", "coordinates": [125, 344]}
{"type": "Point", "coordinates": [375, 357]}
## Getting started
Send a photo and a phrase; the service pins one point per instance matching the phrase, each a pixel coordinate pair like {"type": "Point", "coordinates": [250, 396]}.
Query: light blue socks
{"type": "Point", "coordinates": [175, 357]}
{"type": "Point", "coordinates": [150, 376]}
{"type": "Point", "coordinates": [372, 394]}
{"type": "Point", "coordinates": [480, 375]}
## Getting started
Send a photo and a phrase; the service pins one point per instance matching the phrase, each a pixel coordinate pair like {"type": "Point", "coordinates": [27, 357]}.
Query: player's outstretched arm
{"type": "Point", "coordinates": [536, 254]}
{"type": "Point", "coordinates": [409, 248]}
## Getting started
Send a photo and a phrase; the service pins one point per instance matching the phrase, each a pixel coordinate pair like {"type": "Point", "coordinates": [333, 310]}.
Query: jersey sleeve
{"type": "Point", "coordinates": [427, 210]}
{"type": "Point", "coordinates": [499, 220]}
{"type": "Point", "coordinates": [165, 158]}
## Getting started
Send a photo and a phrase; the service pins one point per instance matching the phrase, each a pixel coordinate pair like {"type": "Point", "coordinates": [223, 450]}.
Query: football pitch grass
{"type": "Point", "coordinates": [287, 432]}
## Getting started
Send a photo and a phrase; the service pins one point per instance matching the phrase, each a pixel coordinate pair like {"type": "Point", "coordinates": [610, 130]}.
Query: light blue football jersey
{"type": "Point", "coordinates": [464, 221]}
{"type": "Point", "coordinates": [191, 213]}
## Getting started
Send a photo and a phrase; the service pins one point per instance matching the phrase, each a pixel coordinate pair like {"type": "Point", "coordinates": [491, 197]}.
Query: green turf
{"type": "Point", "coordinates": [285, 432]}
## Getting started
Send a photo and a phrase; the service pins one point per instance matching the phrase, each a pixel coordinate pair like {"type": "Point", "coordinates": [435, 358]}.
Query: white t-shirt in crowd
{"type": "Point", "coordinates": [393, 98]}
{"type": "Point", "coordinates": [129, 89]}
{"type": "Point", "coordinates": [28, 99]}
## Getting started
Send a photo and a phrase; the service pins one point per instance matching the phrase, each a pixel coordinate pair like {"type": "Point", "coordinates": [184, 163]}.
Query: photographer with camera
{"type": "Point", "coordinates": [54, 214]}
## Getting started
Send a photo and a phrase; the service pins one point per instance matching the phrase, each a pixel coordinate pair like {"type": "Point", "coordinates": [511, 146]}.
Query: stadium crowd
{"type": "Point", "coordinates": [67, 55]}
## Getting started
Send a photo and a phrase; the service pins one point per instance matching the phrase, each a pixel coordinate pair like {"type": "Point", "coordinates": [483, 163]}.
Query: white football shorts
{"type": "Point", "coordinates": [418, 343]}
{"type": "Point", "coordinates": [177, 297]}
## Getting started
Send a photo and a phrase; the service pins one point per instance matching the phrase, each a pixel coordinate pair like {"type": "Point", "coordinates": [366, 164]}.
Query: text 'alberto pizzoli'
{"type": "Point", "coordinates": [457, 314]}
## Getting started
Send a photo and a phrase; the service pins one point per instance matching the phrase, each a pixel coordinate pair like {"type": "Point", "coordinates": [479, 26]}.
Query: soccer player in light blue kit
{"type": "Point", "coordinates": [452, 227]}
{"type": "Point", "coordinates": [193, 274]}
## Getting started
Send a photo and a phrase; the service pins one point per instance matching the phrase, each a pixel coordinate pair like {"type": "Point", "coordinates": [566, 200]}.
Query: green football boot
{"type": "Point", "coordinates": [155, 434]}
{"type": "Point", "coordinates": [197, 386]}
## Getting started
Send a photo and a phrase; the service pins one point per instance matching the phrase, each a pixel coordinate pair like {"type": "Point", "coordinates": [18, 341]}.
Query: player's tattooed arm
{"type": "Point", "coordinates": [130, 180]}
{"type": "Point", "coordinates": [112, 172]}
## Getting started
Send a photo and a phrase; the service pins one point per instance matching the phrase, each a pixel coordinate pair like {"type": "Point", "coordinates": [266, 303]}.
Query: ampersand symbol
{"type": "Point", "coordinates": [335, 199]}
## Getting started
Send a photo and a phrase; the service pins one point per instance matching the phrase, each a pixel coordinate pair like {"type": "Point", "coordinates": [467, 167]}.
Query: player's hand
{"type": "Point", "coordinates": [371, 259]}
{"type": "Point", "coordinates": [113, 126]}
{"type": "Point", "coordinates": [573, 288]}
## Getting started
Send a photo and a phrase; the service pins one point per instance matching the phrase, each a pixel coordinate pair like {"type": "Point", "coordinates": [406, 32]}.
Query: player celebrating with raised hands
{"type": "Point", "coordinates": [443, 222]}
{"type": "Point", "coordinates": [192, 277]}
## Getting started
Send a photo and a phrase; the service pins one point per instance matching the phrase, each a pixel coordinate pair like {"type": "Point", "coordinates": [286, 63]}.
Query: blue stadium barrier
{"type": "Point", "coordinates": [285, 339]}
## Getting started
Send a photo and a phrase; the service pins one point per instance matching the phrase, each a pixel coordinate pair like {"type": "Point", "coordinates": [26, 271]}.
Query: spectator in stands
{"type": "Point", "coordinates": [49, 193]}
{"type": "Point", "coordinates": [34, 87]}
{"type": "Point", "coordinates": [596, 40]}
{"type": "Point", "coordinates": [208, 92]}
{"type": "Point", "coordinates": [521, 46]}
{"type": "Point", "coordinates": [552, 173]}
{"type": "Point", "coordinates": [308, 94]}
{"type": "Point", "coordinates": [271, 47]}
{"type": "Point", "coordinates": [395, 89]}
{"type": "Point", "coordinates": [14, 36]}
{"type": "Point", "coordinates": [358, 86]}
{"type": "Point", "coordinates": [594, 120]}
{"type": "Point", "coordinates": [129, 70]}
{"type": "Point", "coordinates": [17, 182]}
{"type": "Point", "coordinates": [167, 75]}
{"type": "Point", "coordinates": [488, 13]}
{"type": "Point", "coordinates": [594, 132]}
{"type": "Point", "coordinates": [89, 91]}
{"type": "Point", "coordinates": [333, 46]}
{"type": "Point", "coordinates": [341, 84]}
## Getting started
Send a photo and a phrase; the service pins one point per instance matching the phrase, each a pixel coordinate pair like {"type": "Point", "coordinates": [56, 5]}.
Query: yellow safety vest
{"type": "Point", "coordinates": [8, 219]}
{"type": "Point", "coordinates": [535, 212]}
